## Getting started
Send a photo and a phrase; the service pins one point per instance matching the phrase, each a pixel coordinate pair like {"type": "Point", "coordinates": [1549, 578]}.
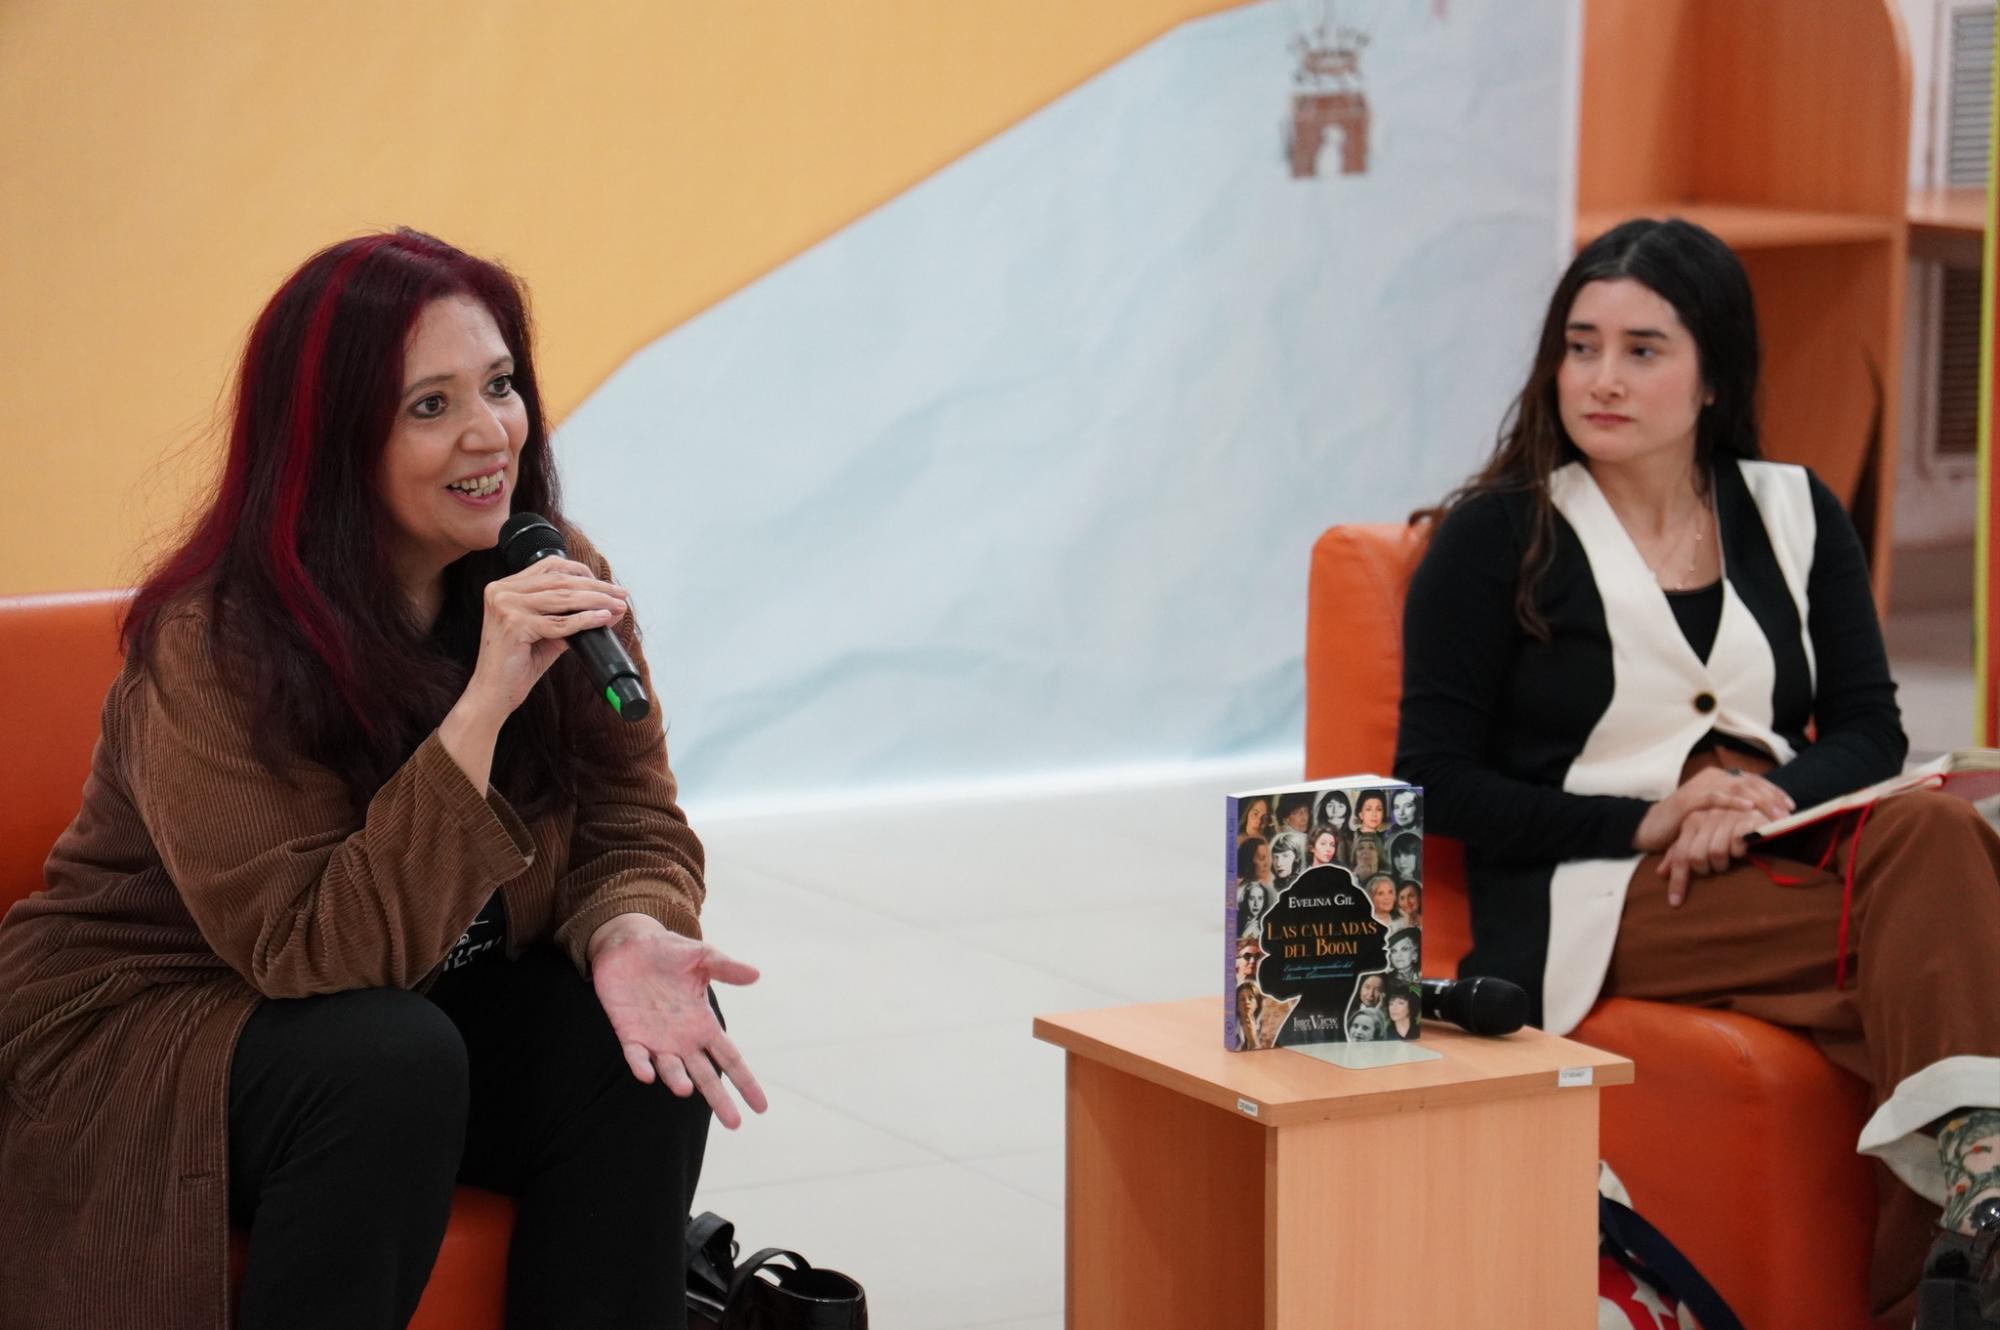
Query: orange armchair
{"type": "Point", "coordinates": [1737, 1139]}
{"type": "Point", "coordinates": [58, 656]}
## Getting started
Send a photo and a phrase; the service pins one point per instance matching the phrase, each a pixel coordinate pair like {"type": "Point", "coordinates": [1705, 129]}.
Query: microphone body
{"type": "Point", "coordinates": [1483, 1005]}
{"type": "Point", "coordinates": [528, 538]}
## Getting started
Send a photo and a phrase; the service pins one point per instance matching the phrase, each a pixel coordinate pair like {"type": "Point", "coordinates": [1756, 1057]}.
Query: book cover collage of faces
{"type": "Point", "coordinates": [1374, 833]}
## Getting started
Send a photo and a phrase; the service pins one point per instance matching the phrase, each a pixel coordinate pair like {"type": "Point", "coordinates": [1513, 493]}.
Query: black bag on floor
{"type": "Point", "coordinates": [711, 1260]}
{"type": "Point", "coordinates": [763, 1293]}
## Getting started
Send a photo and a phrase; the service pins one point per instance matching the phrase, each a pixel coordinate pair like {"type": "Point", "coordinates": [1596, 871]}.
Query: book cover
{"type": "Point", "coordinates": [1323, 911]}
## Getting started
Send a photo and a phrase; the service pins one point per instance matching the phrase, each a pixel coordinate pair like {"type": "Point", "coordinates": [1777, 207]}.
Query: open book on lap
{"type": "Point", "coordinates": [1970, 773]}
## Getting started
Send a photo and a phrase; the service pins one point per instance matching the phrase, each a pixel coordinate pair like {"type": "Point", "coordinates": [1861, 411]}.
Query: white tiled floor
{"type": "Point", "coordinates": [915, 1134]}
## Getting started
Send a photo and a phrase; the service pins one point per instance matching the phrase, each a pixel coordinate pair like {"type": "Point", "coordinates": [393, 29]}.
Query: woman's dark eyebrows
{"type": "Point", "coordinates": [446, 377]}
{"type": "Point", "coordinates": [1579, 326]}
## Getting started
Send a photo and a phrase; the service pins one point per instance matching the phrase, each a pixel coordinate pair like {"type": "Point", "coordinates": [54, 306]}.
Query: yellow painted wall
{"type": "Point", "coordinates": [163, 166]}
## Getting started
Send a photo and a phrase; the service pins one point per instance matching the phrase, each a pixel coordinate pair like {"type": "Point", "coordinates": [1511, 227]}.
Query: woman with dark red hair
{"type": "Point", "coordinates": [370, 893]}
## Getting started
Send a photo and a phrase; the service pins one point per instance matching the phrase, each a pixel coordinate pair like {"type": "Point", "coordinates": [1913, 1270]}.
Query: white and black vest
{"type": "Point", "coordinates": [1665, 699]}
{"type": "Point", "coordinates": [1616, 699]}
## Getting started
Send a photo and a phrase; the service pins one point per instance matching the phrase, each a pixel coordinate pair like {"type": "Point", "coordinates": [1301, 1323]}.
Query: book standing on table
{"type": "Point", "coordinates": [1323, 914]}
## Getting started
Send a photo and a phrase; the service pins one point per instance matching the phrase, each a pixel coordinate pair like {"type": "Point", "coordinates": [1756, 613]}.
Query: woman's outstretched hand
{"type": "Point", "coordinates": [1715, 789]}
{"type": "Point", "coordinates": [653, 984]}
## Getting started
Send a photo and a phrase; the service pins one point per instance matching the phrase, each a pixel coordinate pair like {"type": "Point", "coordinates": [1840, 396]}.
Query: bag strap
{"type": "Point", "coordinates": [747, 1271]}
{"type": "Point", "coordinates": [1656, 1257]}
{"type": "Point", "coordinates": [712, 1230]}
{"type": "Point", "coordinates": [711, 1254]}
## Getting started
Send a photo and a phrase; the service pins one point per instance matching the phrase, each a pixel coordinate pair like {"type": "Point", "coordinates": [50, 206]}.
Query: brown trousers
{"type": "Point", "coordinates": [1923, 952]}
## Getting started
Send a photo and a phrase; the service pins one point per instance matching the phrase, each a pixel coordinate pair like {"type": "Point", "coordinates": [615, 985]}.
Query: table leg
{"type": "Point", "coordinates": [1164, 1220]}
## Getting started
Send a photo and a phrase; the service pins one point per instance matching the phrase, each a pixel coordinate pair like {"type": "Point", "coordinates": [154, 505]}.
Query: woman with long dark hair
{"type": "Point", "coordinates": [1334, 810]}
{"type": "Point", "coordinates": [1406, 857]}
{"type": "Point", "coordinates": [1253, 864]}
{"type": "Point", "coordinates": [1255, 822]}
{"type": "Point", "coordinates": [1630, 643]}
{"type": "Point", "coordinates": [1324, 846]}
{"type": "Point", "coordinates": [370, 893]}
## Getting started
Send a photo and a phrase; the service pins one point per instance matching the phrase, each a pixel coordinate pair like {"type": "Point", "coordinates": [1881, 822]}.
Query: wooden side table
{"type": "Point", "coordinates": [1273, 1191]}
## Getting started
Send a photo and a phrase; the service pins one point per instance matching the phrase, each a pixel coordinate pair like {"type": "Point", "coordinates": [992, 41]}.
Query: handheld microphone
{"type": "Point", "coordinates": [1484, 1005]}
{"type": "Point", "coordinates": [529, 538]}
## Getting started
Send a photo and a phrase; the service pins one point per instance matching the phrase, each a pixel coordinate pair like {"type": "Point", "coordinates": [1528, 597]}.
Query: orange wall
{"type": "Point", "coordinates": [166, 165]}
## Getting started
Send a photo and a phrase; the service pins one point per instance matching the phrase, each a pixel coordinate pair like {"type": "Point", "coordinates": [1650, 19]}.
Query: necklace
{"type": "Point", "coordinates": [1691, 537]}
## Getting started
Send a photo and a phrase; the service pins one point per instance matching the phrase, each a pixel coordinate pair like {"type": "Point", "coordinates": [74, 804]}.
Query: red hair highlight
{"type": "Point", "coordinates": [302, 597]}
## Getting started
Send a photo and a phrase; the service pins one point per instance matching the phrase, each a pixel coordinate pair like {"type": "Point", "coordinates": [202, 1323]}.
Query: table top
{"type": "Point", "coordinates": [1178, 1045]}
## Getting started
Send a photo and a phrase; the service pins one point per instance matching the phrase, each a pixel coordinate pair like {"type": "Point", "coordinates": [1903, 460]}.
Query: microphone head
{"type": "Point", "coordinates": [528, 537]}
{"type": "Point", "coordinates": [1485, 1005]}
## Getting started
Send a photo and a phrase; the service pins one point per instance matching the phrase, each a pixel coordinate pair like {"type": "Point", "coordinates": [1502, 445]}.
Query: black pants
{"type": "Point", "coordinates": [352, 1116]}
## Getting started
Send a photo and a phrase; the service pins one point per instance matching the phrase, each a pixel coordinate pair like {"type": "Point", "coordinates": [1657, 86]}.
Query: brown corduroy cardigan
{"type": "Point", "coordinates": [191, 886]}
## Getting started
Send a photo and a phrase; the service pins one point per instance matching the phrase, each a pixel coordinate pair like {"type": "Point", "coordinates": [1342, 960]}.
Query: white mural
{"type": "Point", "coordinates": [1020, 473]}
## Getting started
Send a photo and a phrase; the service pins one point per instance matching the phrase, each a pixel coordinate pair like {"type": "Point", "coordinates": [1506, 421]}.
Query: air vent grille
{"type": "Point", "coordinates": [1969, 124]}
{"type": "Point", "coordinates": [1958, 363]}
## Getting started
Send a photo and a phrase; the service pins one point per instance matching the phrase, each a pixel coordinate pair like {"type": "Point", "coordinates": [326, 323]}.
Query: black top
{"type": "Point", "coordinates": [483, 941]}
{"type": "Point", "coordinates": [1699, 613]}
{"type": "Point", "coordinates": [1492, 718]}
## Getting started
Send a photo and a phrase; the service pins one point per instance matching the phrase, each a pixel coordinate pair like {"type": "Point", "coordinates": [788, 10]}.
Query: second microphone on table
{"type": "Point", "coordinates": [1483, 1005]}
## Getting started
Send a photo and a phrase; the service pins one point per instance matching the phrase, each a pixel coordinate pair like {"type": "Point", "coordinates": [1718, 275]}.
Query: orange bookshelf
{"type": "Point", "coordinates": [1746, 227]}
{"type": "Point", "coordinates": [1782, 126]}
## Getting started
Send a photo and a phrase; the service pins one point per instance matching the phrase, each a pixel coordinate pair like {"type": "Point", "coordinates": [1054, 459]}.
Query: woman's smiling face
{"type": "Point", "coordinates": [447, 472]}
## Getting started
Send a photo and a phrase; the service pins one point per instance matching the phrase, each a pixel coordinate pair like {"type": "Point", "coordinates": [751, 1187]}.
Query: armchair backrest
{"type": "Point", "coordinates": [1354, 683]}
{"type": "Point", "coordinates": [58, 656]}
{"type": "Point", "coordinates": [1354, 646]}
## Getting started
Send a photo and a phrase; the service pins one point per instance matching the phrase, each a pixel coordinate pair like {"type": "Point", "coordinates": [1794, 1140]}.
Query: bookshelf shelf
{"type": "Point", "coordinates": [1747, 226]}
{"type": "Point", "coordinates": [1949, 226]}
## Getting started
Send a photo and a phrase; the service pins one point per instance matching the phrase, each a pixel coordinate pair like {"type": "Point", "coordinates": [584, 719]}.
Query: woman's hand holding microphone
{"type": "Point", "coordinates": [528, 617]}
{"type": "Point", "coordinates": [1700, 827]}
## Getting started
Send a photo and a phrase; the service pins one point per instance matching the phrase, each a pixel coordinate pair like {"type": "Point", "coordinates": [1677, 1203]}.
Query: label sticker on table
{"type": "Point", "coordinates": [1574, 1076]}
{"type": "Point", "coordinates": [1248, 1106]}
